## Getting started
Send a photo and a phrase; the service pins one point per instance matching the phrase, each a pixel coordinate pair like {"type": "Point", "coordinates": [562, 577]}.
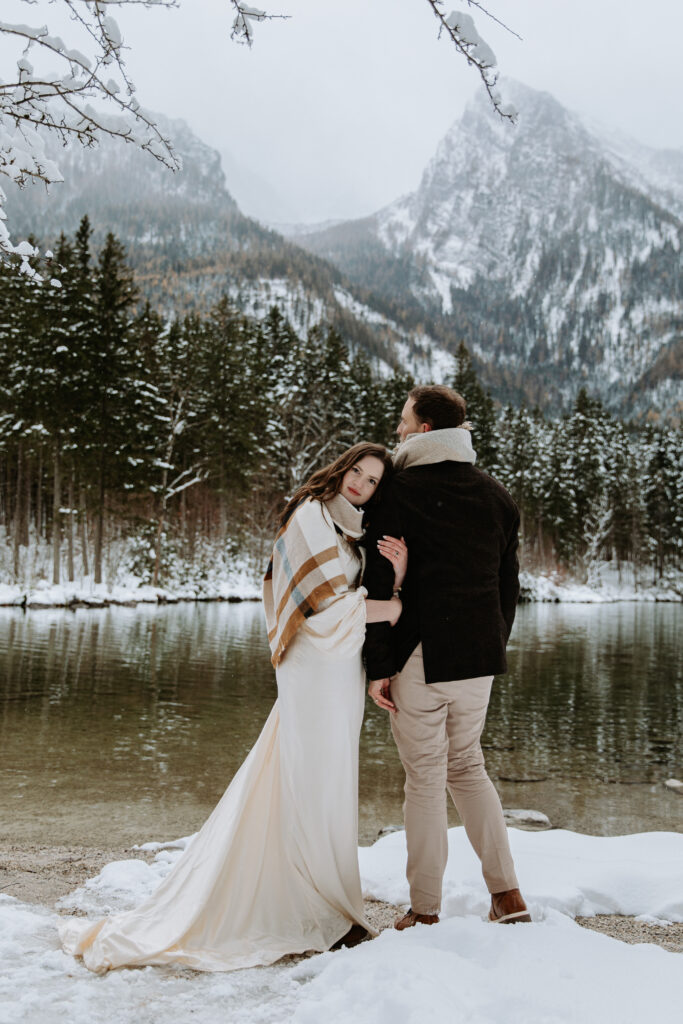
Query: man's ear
{"type": "Point", "coordinates": [424, 427]}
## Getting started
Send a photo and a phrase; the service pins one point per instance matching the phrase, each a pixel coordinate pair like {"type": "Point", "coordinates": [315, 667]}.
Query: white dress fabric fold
{"type": "Point", "coordinates": [274, 870]}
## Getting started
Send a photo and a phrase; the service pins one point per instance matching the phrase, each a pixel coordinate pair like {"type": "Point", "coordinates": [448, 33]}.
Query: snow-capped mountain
{"type": "Point", "coordinates": [190, 244]}
{"type": "Point", "coordinates": [554, 253]}
{"type": "Point", "coordinates": [552, 249]}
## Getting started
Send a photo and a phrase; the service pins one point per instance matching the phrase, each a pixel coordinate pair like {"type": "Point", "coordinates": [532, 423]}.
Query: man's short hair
{"type": "Point", "coordinates": [439, 406]}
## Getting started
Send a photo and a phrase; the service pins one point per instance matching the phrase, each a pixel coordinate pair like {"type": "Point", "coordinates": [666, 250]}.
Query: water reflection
{"type": "Point", "coordinates": [594, 691]}
{"type": "Point", "coordinates": [123, 723]}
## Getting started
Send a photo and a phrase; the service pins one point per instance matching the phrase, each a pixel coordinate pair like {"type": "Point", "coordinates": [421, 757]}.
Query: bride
{"type": "Point", "coordinates": [274, 870]}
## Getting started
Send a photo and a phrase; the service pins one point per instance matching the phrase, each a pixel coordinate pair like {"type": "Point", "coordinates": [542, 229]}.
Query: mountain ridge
{"type": "Point", "coordinates": [555, 255]}
{"type": "Point", "coordinates": [189, 244]}
{"type": "Point", "coordinates": [543, 248]}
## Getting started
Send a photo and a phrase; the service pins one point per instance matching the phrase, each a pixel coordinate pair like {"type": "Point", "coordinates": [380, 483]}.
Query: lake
{"type": "Point", "coordinates": [121, 725]}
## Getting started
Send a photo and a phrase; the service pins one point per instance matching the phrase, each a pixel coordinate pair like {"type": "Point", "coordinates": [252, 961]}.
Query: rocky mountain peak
{"type": "Point", "coordinates": [554, 252]}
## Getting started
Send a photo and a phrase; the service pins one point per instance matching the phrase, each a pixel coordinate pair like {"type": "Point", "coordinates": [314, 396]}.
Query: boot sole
{"type": "Point", "coordinates": [519, 917]}
{"type": "Point", "coordinates": [400, 927]}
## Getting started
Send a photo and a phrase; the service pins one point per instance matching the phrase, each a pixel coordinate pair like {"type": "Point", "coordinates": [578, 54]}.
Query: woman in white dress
{"type": "Point", "coordinates": [274, 870]}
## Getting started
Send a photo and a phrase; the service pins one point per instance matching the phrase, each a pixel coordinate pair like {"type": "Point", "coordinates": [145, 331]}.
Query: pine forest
{"type": "Point", "coordinates": [132, 444]}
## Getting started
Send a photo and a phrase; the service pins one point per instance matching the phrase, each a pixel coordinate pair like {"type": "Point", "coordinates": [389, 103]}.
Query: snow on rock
{"type": "Point", "coordinates": [526, 819]}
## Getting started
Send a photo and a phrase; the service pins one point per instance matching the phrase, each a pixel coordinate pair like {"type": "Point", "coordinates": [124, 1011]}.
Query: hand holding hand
{"type": "Point", "coordinates": [396, 551]}
{"type": "Point", "coordinates": [379, 691]}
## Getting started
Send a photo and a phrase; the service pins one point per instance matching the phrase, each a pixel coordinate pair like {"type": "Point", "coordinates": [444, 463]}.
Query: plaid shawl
{"type": "Point", "coordinates": [305, 569]}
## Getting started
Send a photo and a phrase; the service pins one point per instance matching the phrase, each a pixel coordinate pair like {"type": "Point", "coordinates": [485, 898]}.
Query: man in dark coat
{"type": "Point", "coordinates": [434, 670]}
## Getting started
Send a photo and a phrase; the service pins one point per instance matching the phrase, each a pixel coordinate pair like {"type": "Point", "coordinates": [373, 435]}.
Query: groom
{"type": "Point", "coordinates": [433, 671]}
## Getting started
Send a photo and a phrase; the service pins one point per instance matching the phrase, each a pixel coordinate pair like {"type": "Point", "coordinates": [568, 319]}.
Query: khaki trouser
{"type": "Point", "coordinates": [437, 729]}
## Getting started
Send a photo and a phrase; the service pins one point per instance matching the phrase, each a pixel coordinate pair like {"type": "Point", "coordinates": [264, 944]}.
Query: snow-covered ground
{"type": "Point", "coordinates": [604, 584]}
{"type": "Point", "coordinates": [238, 585]}
{"type": "Point", "coordinates": [240, 579]}
{"type": "Point", "coordinates": [464, 969]}
{"type": "Point", "coordinates": [237, 579]}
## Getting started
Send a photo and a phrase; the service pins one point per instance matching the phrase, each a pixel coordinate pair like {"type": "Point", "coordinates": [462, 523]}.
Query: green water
{"type": "Point", "coordinates": [125, 724]}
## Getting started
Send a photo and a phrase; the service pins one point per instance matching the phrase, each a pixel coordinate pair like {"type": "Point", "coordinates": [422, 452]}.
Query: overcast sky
{"type": "Point", "coordinates": [335, 112]}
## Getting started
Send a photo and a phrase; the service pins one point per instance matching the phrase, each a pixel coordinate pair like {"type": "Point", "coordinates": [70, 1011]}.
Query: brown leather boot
{"type": "Point", "coordinates": [508, 908]}
{"type": "Point", "coordinates": [411, 918]}
{"type": "Point", "coordinates": [355, 935]}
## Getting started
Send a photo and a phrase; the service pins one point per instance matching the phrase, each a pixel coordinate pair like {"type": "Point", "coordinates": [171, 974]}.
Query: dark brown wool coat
{"type": "Point", "coordinates": [461, 588]}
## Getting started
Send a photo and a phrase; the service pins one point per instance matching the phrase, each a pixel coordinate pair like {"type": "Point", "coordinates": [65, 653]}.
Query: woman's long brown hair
{"type": "Point", "coordinates": [326, 482]}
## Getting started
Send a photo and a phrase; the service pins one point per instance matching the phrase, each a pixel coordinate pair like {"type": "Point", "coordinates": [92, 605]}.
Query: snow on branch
{"type": "Point", "coordinates": [54, 87]}
{"type": "Point", "coordinates": [458, 25]}
{"type": "Point", "coordinates": [52, 91]}
{"type": "Point", "coordinates": [460, 28]}
{"type": "Point", "coordinates": [245, 17]}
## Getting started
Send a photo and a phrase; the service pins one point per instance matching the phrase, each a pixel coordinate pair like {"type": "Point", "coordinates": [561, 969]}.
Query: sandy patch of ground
{"type": "Point", "coordinates": [628, 929]}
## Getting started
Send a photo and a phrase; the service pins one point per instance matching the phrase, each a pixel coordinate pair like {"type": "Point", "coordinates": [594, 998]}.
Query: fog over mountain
{"type": "Point", "coordinates": [555, 254]}
{"type": "Point", "coordinates": [553, 250]}
{"type": "Point", "coordinates": [190, 244]}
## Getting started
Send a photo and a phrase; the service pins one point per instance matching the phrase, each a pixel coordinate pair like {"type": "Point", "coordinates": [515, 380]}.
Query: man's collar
{"type": "Point", "coordinates": [453, 444]}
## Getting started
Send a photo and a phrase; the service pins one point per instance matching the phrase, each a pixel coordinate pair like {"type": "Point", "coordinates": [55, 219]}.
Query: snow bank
{"type": "Point", "coordinates": [465, 969]}
{"type": "Point", "coordinates": [240, 584]}
{"type": "Point", "coordinates": [605, 584]}
{"type": "Point", "coordinates": [575, 874]}
{"type": "Point", "coordinates": [241, 581]}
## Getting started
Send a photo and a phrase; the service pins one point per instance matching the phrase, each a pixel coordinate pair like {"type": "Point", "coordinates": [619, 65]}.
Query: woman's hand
{"type": "Point", "coordinates": [397, 553]}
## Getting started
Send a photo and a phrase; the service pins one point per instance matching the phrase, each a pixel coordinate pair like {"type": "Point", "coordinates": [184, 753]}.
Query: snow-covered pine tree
{"type": "Point", "coordinates": [480, 409]}
{"type": "Point", "coordinates": [113, 448]}
{"type": "Point", "coordinates": [661, 490]}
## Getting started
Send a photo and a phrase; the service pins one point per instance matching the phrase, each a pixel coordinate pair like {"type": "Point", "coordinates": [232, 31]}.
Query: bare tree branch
{"type": "Point", "coordinates": [35, 103]}
{"type": "Point", "coordinates": [460, 28]}
{"type": "Point", "coordinates": [245, 16]}
{"type": "Point", "coordinates": [488, 14]}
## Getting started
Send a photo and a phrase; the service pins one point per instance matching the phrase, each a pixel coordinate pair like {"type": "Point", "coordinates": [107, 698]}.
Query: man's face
{"type": "Point", "coordinates": [409, 423]}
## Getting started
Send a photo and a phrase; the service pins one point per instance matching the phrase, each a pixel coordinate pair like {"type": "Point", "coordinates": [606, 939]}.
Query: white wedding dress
{"type": "Point", "coordinates": [275, 868]}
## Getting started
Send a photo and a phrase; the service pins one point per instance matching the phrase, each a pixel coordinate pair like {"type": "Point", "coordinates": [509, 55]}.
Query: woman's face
{"type": "Point", "coordinates": [360, 482]}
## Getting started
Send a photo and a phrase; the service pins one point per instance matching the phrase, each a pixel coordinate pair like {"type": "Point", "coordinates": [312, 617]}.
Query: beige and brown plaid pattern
{"type": "Point", "coordinates": [304, 571]}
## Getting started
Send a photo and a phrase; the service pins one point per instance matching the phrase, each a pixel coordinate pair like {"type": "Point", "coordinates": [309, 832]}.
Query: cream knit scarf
{"type": "Point", "coordinates": [454, 444]}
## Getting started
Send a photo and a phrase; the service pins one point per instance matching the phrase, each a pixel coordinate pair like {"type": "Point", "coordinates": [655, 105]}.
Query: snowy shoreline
{"type": "Point", "coordinates": [549, 972]}
{"type": "Point", "coordinates": [604, 586]}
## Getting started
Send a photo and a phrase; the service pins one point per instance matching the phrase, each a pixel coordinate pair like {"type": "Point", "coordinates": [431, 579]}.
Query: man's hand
{"type": "Point", "coordinates": [379, 691]}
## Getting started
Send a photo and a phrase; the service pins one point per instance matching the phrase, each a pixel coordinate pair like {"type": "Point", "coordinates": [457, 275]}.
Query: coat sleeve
{"type": "Point", "coordinates": [509, 577]}
{"type": "Point", "coordinates": [378, 651]}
